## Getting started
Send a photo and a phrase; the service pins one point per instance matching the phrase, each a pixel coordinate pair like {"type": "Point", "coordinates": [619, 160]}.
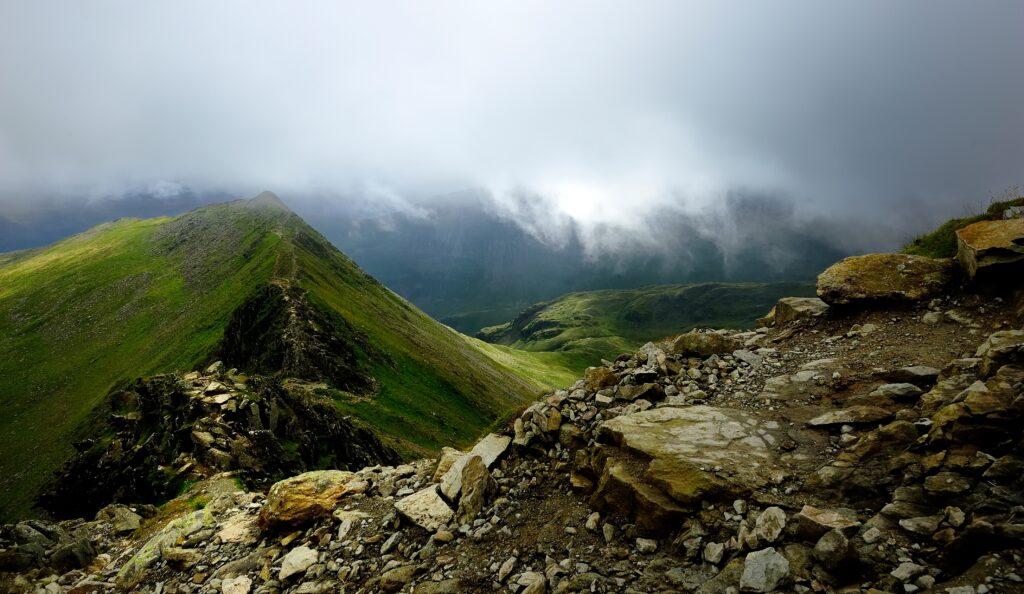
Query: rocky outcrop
{"type": "Point", "coordinates": [996, 247]}
{"type": "Point", "coordinates": [792, 309]}
{"type": "Point", "coordinates": [162, 432]}
{"type": "Point", "coordinates": [885, 277]}
{"type": "Point", "coordinates": [280, 331]}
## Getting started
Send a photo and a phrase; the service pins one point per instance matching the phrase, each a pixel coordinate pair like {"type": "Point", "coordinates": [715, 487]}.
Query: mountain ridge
{"type": "Point", "coordinates": [137, 297]}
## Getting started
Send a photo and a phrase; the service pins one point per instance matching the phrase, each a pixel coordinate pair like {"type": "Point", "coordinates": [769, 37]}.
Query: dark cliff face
{"type": "Point", "coordinates": [278, 331]}
{"type": "Point", "coordinates": [161, 433]}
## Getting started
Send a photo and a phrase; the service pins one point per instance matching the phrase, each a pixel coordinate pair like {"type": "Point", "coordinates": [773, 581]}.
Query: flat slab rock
{"type": "Point", "coordinates": [990, 244]}
{"type": "Point", "coordinates": [426, 508]}
{"type": "Point", "coordinates": [853, 415]}
{"type": "Point", "coordinates": [697, 452]}
{"type": "Point", "coordinates": [812, 379]}
{"type": "Point", "coordinates": [884, 277]}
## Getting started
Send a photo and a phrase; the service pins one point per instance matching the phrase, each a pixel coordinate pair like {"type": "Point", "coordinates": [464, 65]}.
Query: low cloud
{"type": "Point", "coordinates": [604, 119]}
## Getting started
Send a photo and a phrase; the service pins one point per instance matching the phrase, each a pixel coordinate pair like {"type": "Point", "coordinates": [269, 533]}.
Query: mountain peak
{"type": "Point", "coordinates": [270, 200]}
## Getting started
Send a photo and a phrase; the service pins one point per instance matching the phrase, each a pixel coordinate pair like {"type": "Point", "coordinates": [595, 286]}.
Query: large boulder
{"type": "Point", "coordinates": [703, 344]}
{"type": "Point", "coordinates": [791, 309]}
{"type": "Point", "coordinates": [304, 498]}
{"type": "Point", "coordinates": [990, 245]}
{"type": "Point", "coordinates": [884, 277]}
{"type": "Point", "coordinates": [696, 453]}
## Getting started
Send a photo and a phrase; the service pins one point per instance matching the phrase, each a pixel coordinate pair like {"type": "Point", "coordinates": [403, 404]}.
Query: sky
{"type": "Point", "coordinates": [889, 115]}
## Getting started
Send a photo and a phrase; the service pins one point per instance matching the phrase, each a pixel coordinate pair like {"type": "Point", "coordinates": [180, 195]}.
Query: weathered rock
{"type": "Point", "coordinates": [865, 468]}
{"type": "Point", "coordinates": [297, 561]}
{"type": "Point", "coordinates": [907, 571]}
{"type": "Point", "coordinates": [921, 376]}
{"type": "Point", "coordinates": [135, 568]}
{"type": "Point", "coordinates": [426, 508]}
{"type": "Point", "coordinates": [449, 456]}
{"type": "Point", "coordinates": [703, 344]}
{"type": "Point", "coordinates": [884, 277]}
{"type": "Point", "coordinates": [623, 493]}
{"type": "Point", "coordinates": [506, 568]}
{"type": "Point", "coordinates": [854, 415]}
{"type": "Point", "coordinates": [686, 445]}
{"type": "Point", "coordinates": [395, 579]}
{"type": "Point", "coordinates": [713, 552]}
{"type": "Point", "coordinates": [452, 586]}
{"type": "Point", "coordinates": [597, 378]}
{"type": "Point", "coordinates": [813, 523]}
{"type": "Point", "coordinates": [901, 391]}
{"type": "Point", "coordinates": [239, 528]}
{"type": "Point", "coordinates": [489, 449]}
{"type": "Point", "coordinates": [812, 379]}
{"type": "Point", "coordinates": [769, 525]}
{"type": "Point", "coordinates": [923, 525]}
{"type": "Point", "coordinates": [763, 571]}
{"type": "Point", "coordinates": [236, 585]}
{"type": "Point", "coordinates": [726, 580]}
{"type": "Point", "coordinates": [791, 309]}
{"type": "Point", "coordinates": [182, 557]}
{"type": "Point", "coordinates": [832, 549]}
{"type": "Point", "coordinates": [646, 545]}
{"type": "Point", "coordinates": [650, 391]}
{"type": "Point", "coordinates": [1001, 348]}
{"type": "Point", "coordinates": [533, 582]}
{"type": "Point", "coordinates": [477, 486]}
{"type": "Point", "coordinates": [946, 483]}
{"type": "Point", "coordinates": [304, 498]}
{"type": "Point", "coordinates": [748, 357]}
{"type": "Point", "coordinates": [989, 245]}
{"type": "Point", "coordinates": [76, 554]}
{"type": "Point", "coordinates": [122, 519]}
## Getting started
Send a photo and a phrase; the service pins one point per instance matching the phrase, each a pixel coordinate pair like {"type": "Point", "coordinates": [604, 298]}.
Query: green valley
{"type": "Point", "coordinates": [587, 326]}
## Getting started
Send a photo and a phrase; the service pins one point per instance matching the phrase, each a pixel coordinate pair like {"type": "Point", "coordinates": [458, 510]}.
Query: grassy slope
{"type": "Point", "coordinates": [941, 243]}
{"type": "Point", "coordinates": [138, 297]}
{"type": "Point", "coordinates": [589, 325]}
{"type": "Point", "coordinates": [438, 387]}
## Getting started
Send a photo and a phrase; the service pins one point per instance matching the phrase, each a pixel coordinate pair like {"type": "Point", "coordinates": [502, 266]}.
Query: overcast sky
{"type": "Point", "coordinates": [888, 112]}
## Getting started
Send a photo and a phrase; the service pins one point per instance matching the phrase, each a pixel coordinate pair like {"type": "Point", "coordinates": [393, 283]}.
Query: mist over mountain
{"type": "Point", "coordinates": [472, 261]}
{"type": "Point", "coordinates": [470, 265]}
{"type": "Point", "coordinates": [42, 221]}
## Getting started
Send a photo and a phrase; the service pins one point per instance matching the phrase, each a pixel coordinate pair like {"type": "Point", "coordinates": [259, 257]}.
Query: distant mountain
{"type": "Point", "coordinates": [248, 282]}
{"type": "Point", "coordinates": [470, 266]}
{"type": "Point", "coordinates": [44, 221]}
{"type": "Point", "coordinates": [469, 263]}
{"type": "Point", "coordinates": [592, 325]}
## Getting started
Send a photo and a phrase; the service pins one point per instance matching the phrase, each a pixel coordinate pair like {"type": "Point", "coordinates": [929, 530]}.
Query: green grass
{"type": "Point", "coordinates": [138, 297]}
{"type": "Point", "coordinates": [584, 327]}
{"type": "Point", "coordinates": [941, 243]}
